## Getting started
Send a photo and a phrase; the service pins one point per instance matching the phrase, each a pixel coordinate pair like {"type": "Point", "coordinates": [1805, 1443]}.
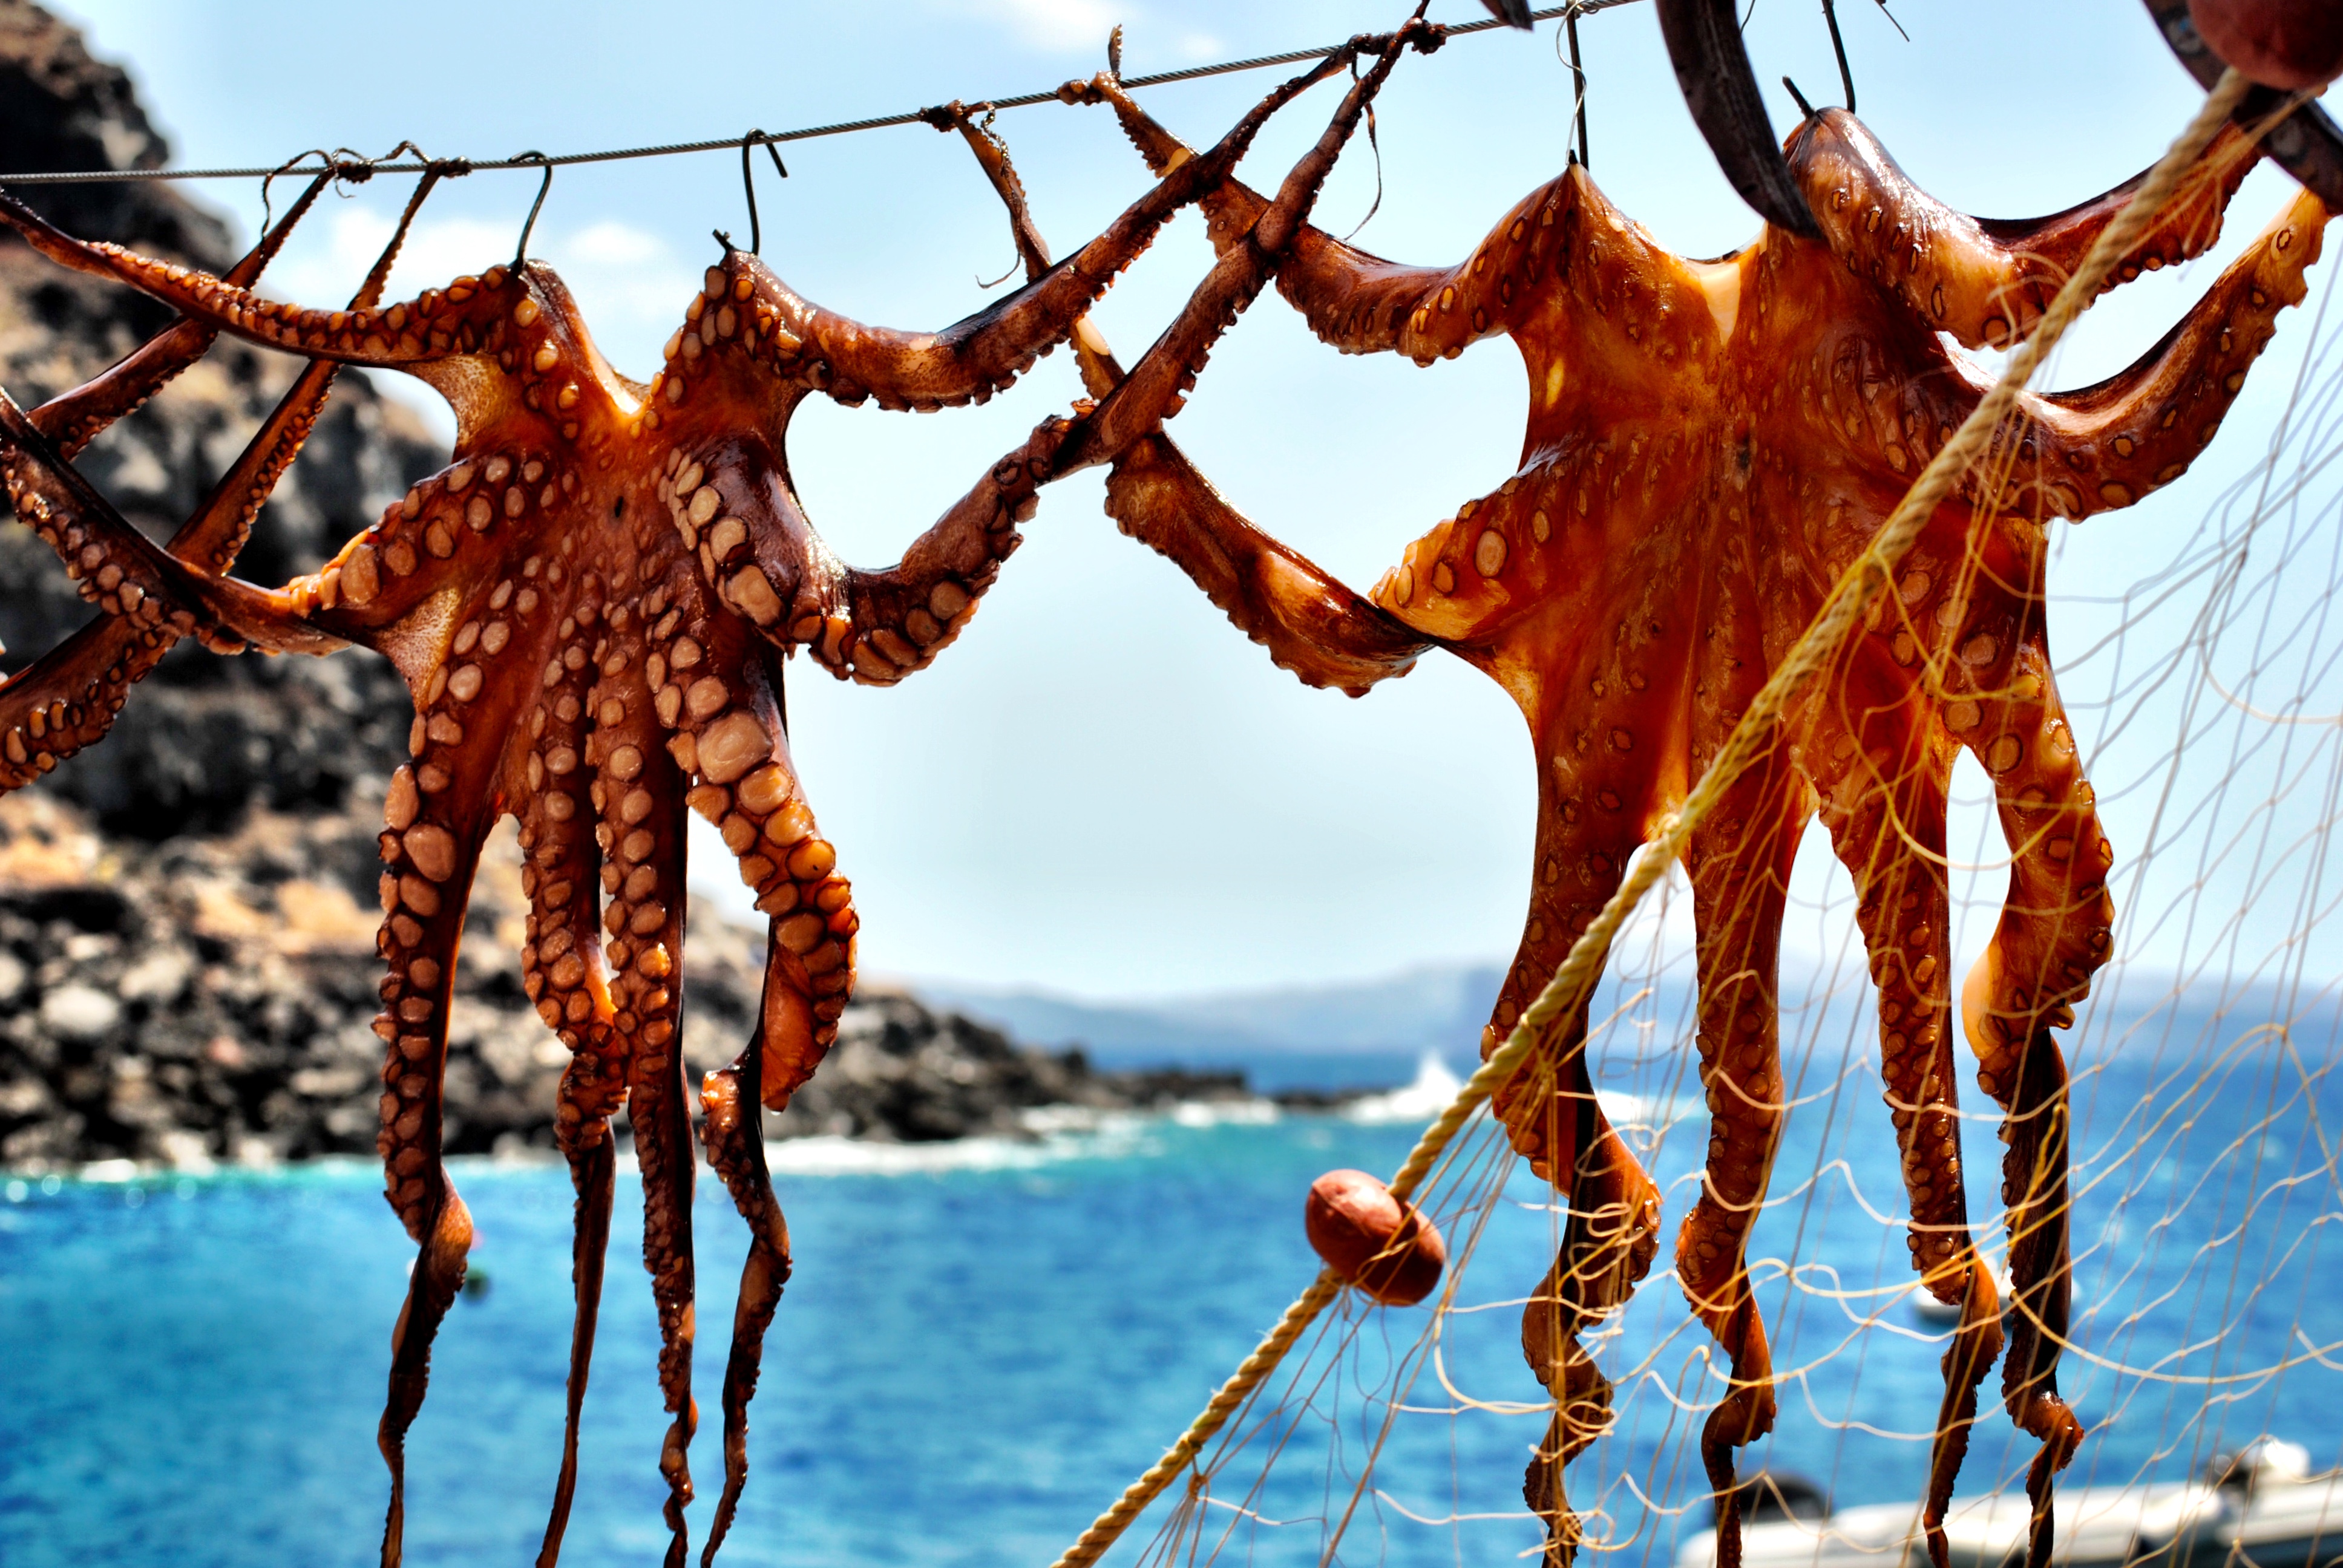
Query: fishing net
{"type": "Point", "coordinates": [2205, 684]}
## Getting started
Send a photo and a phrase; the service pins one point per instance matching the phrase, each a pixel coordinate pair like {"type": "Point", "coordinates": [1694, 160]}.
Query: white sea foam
{"type": "Point", "coordinates": [1420, 1100]}
{"type": "Point", "coordinates": [1224, 1113]}
{"type": "Point", "coordinates": [1435, 1086]}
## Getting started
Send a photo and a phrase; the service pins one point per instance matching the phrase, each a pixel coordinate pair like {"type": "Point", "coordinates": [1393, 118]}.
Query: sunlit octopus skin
{"type": "Point", "coordinates": [1709, 446]}
{"type": "Point", "coordinates": [589, 606]}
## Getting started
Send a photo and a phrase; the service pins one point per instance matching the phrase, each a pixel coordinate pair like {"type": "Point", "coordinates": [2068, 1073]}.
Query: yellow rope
{"type": "Point", "coordinates": [1850, 597]}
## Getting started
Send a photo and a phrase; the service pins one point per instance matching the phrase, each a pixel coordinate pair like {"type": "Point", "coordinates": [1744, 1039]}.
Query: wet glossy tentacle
{"type": "Point", "coordinates": [2054, 933]}
{"type": "Point", "coordinates": [1740, 866]}
{"type": "Point", "coordinates": [74, 419]}
{"type": "Point", "coordinates": [1353, 300]}
{"type": "Point", "coordinates": [67, 699]}
{"type": "Point", "coordinates": [1987, 281]}
{"type": "Point", "coordinates": [565, 976]}
{"type": "Point", "coordinates": [127, 573]}
{"type": "Point", "coordinates": [430, 846]}
{"type": "Point", "coordinates": [1152, 391]}
{"type": "Point", "coordinates": [1881, 769]}
{"type": "Point", "coordinates": [2105, 445]}
{"type": "Point", "coordinates": [726, 729]}
{"type": "Point", "coordinates": [733, 1127]}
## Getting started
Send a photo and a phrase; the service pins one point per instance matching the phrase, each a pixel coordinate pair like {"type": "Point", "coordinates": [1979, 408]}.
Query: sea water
{"type": "Point", "coordinates": [985, 1342]}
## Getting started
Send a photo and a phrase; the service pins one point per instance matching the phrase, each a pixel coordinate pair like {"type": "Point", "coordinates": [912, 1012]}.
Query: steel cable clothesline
{"type": "Point", "coordinates": [345, 165]}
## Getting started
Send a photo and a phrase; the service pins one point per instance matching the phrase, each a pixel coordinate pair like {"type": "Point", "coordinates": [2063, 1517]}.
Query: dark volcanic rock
{"type": "Point", "coordinates": [212, 998]}
{"type": "Point", "coordinates": [204, 737]}
{"type": "Point", "coordinates": [903, 1073]}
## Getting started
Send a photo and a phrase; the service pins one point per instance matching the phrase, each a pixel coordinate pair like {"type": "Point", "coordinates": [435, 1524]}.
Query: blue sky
{"type": "Point", "coordinates": [1103, 789]}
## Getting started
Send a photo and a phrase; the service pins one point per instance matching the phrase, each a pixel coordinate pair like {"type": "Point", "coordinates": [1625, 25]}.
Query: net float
{"type": "Point", "coordinates": [2292, 44]}
{"type": "Point", "coordinates": [1378, 1242]}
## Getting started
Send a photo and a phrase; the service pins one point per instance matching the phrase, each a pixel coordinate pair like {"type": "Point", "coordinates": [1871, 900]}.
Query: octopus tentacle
{"type": "Point", "coordinates": [733, 1127]}
{"type": "Point", "coordinates": [1881, 770]}
{"type": "Point", "coordinates": [748, 323]}
{"type": "Point", "coordinates": [1987, 281]}
{"type": "Point", "coordinates": [1607, 1246]}
{"type": "Point", "coordinates": [2105, 445]}
{"type": "Point", "coordinates": [465, 317]}
{"type": "Point", "coordinates": [1153, 389]}
{"type": "Point", "coordinates": [761, 810]}
{"type": "Point", "coordinates": [971, 359]}
{"type": "Point", "coordinates": [901, 617]}
{"type": "Point", "coordinates": [732, 739]}
{"type": "Point", "coordinates": [1310, 623]}
{"type": "Point", "coordinates": [430, 846]}
{"type": "Point", "coordinates": [1356, 301]}
{"type": "Point", "coordinates": [72, 419]}
{"type": "Point", "coordinates": [874, 627]}
{"type": "Point", "coordinates": [593, 1175]}
{"type": "Point", "coordinates": [127, 573]}
{"type": "Point", "coordinates": [566, 975]}
{"type": "Point", "coordinates": [1740, 865]}
{"type": "Point", "coordinates": [2052, 935]}
{"type": "Point", "coordinates": [67, 699]}
{"type": "Point", "coordinates": [1587, 835]}
{"type": "Point", "coordinates": [639, 794]}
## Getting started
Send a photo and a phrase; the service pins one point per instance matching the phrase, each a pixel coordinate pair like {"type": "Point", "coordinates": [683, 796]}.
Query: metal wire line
{"type": "Point", "coordinates": [343, 164]}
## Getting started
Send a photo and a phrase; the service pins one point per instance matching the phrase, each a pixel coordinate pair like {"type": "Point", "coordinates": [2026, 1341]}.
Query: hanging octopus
{"type": "Point", "coordinates": [1709, 444]}
{"type": "Point", "coordinates": [590, 606]}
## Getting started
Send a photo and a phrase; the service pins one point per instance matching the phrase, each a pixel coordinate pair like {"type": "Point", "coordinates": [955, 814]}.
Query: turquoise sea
{"type": "Point", "coordinates": [984, 1342]}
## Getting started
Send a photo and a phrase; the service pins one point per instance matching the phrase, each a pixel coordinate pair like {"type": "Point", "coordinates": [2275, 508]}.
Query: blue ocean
{"type": "Point", "coordinates": [984, 1342]}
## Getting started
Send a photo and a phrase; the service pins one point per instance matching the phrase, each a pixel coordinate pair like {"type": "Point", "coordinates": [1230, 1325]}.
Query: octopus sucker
{"type": "Point", "coordinates": [591, 606]}
{"type": "Point", "coordinates": [1708, 445]}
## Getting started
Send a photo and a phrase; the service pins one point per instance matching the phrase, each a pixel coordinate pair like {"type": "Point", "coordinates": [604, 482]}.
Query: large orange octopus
{"type": "Point", "coordinates": [1710, 444]}
{"type": "Point", "coordinates": [590, 606]}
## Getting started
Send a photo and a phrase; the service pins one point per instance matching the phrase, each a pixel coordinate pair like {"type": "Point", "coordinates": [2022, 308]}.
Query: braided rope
{"type": "Point", "coordinates": [1574, 981]}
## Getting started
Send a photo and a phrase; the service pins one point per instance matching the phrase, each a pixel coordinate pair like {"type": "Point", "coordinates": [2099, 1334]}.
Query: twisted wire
{"type": "Point", "coordinates": [349, 166]}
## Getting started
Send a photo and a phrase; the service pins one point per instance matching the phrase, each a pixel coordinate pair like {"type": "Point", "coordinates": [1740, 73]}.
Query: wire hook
{"type": "Point", "coordinates": [1578, 71]}
{"type": "Point", "coordinates": [520, 252]}
{"type": "Point", "coordinates": [1838, 47]}
{"type": "Point", "coordinates": [748, 183]}
{"type": "Point", "coordinates": [324, 172]}
{"type": "Point", "coordinates": [1376, 147]}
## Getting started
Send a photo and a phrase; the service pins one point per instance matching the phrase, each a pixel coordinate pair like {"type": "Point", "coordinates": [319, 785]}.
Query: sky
{"type": "Point", "coordinates": [1103, 789]}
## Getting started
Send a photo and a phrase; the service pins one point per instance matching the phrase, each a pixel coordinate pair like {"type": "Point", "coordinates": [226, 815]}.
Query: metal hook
{"type": "Point", "coordinates": [748, 184]}
{"type": "Point", "coordinates": [325, 172]}
{"type": "Point", "coordinates": [1376, 205]}
{"type": "Point", "coordinates": [1838, 47]}
{"type": "Point", "coordinates": [520, 252]}
{"type": "Point", "coordinates": [1578, 72]}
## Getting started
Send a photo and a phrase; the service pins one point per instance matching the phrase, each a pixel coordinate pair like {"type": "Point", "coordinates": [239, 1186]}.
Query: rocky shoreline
{"type": "Point", "coordinates": [209, 1000]}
